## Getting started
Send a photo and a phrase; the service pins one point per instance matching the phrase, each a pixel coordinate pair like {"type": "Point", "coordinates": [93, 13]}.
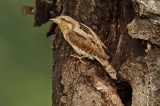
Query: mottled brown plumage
{"type": "Point", "coordinates": [88, 45]}
{"type": "Point", "coordinates": [84, 41]}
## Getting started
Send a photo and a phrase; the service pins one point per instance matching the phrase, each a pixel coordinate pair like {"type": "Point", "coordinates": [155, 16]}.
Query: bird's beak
{"type": "Point", "coordinates": [56, 20]}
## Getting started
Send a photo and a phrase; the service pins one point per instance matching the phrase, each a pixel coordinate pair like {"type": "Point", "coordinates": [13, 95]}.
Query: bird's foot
{"type": "Point", "coordinates": [80, 58]}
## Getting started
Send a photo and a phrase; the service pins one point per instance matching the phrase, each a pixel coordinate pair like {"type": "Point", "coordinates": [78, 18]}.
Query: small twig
{"type": "Point", "coordinates": [28, 10]}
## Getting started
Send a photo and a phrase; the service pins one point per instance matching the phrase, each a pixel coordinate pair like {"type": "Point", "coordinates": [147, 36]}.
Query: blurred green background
{"type": "Point", "coordinates": [25, 58]}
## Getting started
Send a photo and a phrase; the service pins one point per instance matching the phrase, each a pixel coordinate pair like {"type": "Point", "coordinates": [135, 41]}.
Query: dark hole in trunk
{"type": "Point", "coordinates": [125, 93]}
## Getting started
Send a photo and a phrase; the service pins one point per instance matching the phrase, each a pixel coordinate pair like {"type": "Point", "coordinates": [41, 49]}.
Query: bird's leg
{"type": "Point", "coordinates": [80, 58]}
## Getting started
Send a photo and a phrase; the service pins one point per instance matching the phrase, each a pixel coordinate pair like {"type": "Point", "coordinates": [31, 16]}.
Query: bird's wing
{"type": "Point", "coordinates": [89, 31]}
{"type": "Point", "coordinates": [87, 44]}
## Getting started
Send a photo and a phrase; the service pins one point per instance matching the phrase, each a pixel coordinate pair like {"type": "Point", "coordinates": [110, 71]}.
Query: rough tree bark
{"type": "Point", "coordinates": [76, 84]}
{"type": "Point", "coordinates": [126, 27]}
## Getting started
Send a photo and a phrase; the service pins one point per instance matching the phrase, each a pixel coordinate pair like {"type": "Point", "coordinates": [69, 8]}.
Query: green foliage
{"type": "Point", "coordinates": [25, 58]}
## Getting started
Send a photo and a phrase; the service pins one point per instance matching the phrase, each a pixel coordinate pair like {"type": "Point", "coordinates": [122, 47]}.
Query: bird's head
{"type": "Point", "coordinates": [65, 23]}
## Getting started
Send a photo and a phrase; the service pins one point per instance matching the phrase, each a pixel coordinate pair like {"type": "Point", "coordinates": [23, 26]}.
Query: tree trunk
{"type": "Point", "coordinates": [76, 84]}
{"type": "Point", "coordinates": [117, 23]}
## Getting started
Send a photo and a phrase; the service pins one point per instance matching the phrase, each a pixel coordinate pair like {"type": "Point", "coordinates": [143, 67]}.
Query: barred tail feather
{"type": "Point", "coordinates": [108, 67]}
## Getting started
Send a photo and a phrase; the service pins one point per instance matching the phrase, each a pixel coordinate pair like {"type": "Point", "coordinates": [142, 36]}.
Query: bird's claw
{"type": "Point", "coordinates": [80, 58]}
